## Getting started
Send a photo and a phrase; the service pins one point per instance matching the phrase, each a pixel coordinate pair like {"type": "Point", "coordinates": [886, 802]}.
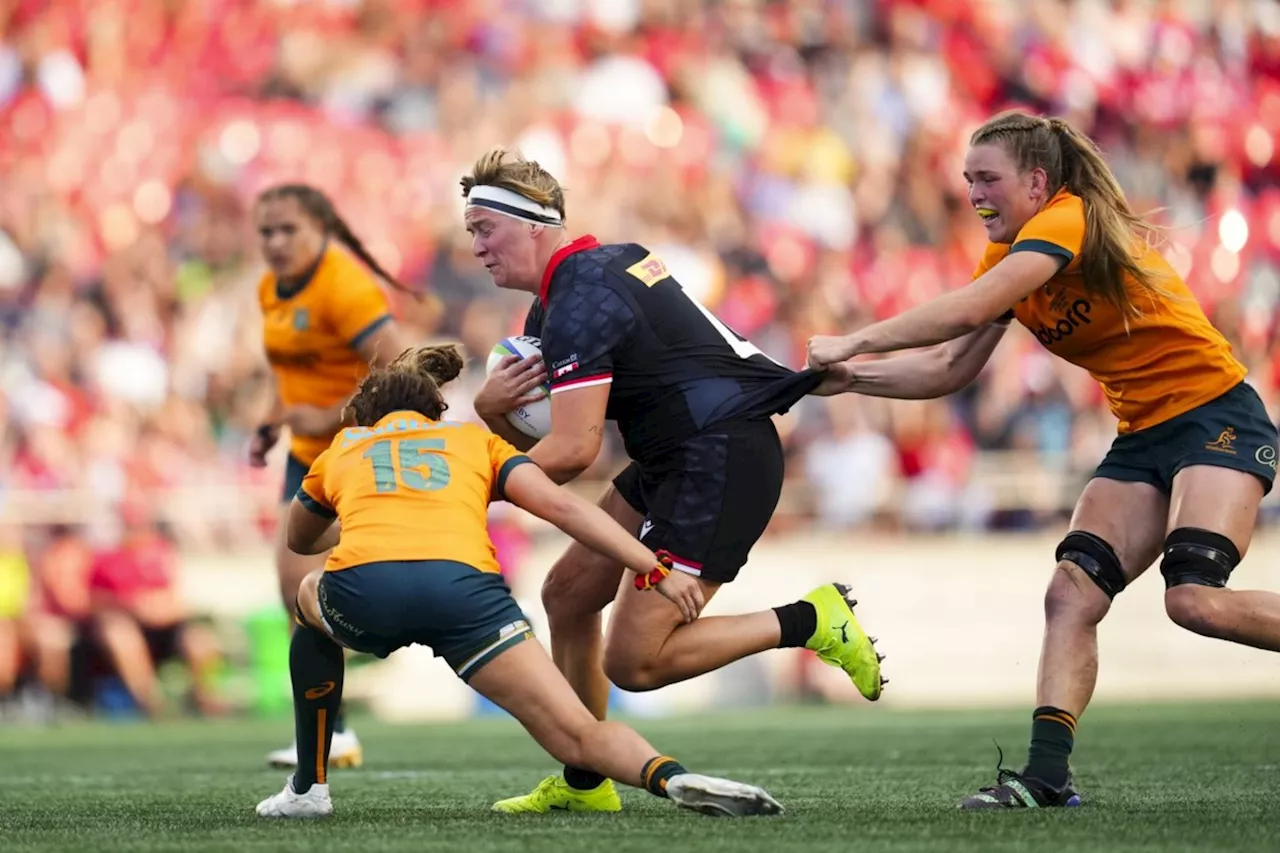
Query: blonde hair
{"type": "Point", "coordinates": [1114, 236]}
{"type": "Point", "coordinates": [519, 175]}
{"type": "Point", "coordinates": [409, 383]}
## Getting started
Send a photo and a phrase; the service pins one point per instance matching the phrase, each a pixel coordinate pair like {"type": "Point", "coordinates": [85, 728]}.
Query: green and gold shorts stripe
{"type": "Point", "coordinates": [509, 637]}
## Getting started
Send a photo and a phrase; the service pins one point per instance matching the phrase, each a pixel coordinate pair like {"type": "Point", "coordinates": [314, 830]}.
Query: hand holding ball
{"type": "Point", "coordinates": [529, 392]}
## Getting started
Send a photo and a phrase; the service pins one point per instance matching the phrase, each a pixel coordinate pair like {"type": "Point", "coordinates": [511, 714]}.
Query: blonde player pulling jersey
{"type": "Point", "coordinates": [1196, 450]}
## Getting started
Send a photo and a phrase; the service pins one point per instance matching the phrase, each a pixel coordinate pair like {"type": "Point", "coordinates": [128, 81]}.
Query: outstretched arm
{"type": "Point", "coordinates": [935, 372]}
{"type": "Point", "coordinates": [950, 316]}
{"type": "Point", "coordinates": [529, 488]}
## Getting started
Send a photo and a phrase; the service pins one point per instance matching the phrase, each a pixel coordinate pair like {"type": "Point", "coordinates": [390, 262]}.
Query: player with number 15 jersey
{"type": "Point", "coordinates": [400, 499]}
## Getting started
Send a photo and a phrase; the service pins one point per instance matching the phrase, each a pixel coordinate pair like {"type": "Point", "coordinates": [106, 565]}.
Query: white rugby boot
{"type": "Point", "coordinates": [314, 803]}
{"type": "Point", "coordinates": [720, 797]}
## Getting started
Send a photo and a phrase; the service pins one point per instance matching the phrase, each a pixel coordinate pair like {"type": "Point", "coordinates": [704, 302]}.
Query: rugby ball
{"type": "Point", "coordinates": [534, 419]}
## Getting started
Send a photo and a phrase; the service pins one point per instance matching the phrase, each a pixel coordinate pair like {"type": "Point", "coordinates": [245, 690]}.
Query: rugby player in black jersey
{"type": "Point", "coordinates": [623, 341]}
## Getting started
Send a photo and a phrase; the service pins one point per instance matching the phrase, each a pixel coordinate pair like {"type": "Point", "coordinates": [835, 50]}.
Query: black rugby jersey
{"type": "Point", "coordinates": [614, 313]}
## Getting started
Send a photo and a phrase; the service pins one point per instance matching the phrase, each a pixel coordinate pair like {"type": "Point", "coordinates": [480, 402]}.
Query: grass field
{"type": "Point", "coordinates": [1186, 777]}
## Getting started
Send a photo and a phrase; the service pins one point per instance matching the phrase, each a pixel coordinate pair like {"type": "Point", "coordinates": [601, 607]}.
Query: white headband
{"type": "Point", "coordinates": [510, 203]}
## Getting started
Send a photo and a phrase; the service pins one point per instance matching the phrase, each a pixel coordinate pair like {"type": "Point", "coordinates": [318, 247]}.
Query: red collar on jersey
{"type": "Point", "coordinates": [586, 241]}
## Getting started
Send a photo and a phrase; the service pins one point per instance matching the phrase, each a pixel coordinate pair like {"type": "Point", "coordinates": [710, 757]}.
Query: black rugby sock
{"type": "Point", "coordinates": [1053, 733]}
{"type": "Point", "coordinates": [798, 622]}
{"type": "Point", "coordinates": [583, 780]}
{"type": "Point", "coordinates": [316, 666]}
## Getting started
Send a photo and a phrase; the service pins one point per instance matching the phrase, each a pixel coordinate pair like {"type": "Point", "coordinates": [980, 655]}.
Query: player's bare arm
{"type": "Point", "coordinates": [924, 375]}
{"type": "Point", "coordinates": [268, 432]}
{"type": "Point", "coordinates": [946, 318]}
{"type": "Point", "coordinates": [529, 488]}
{"type": "Point", "coordinates": [384, 344]}
{"type": "Point", "coordinates": [577, 431]}
{"type": "Point", "coordinates": [309, 532]}
{"type": "Point", "coordinates": [379, 349]}
{"type": "Point", "coordinates": [313, 421]}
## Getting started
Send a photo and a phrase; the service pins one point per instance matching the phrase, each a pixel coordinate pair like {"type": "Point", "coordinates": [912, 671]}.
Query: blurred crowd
{"type": "Point", "coordinates": [87, 625]}
{"type": "Point", "coordinates": [797, 163]}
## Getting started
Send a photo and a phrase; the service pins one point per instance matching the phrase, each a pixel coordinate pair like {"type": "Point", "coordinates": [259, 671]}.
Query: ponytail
{"type": "Point", "coordinates": [442, 362]}
{"type": "Point", "coordinates": [1114, 235]}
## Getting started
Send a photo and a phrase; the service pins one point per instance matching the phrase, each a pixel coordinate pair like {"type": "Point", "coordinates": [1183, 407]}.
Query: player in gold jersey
{"type": "Point", "coordinates": [1196, 451]}
{"type": "Point", "coordinates": [325, 321]}
{"type": "Point", "coordinates": [401, 500]}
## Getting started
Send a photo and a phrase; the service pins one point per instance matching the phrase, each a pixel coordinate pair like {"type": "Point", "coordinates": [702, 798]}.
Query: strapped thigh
{"type": "Point", "coordinates": [1096, 558]}
{"type": "Point", "coordinates": [1199, 557]}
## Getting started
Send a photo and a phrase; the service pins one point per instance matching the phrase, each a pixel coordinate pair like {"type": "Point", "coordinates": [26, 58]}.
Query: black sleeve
{"type": "Point", "coordinates": [533, 320]}
{"type": "Point", "coordinates": [584, 326]}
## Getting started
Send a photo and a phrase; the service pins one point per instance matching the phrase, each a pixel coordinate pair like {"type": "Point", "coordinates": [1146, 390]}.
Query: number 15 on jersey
{"type": "Point", "coordinates": [413, 463]}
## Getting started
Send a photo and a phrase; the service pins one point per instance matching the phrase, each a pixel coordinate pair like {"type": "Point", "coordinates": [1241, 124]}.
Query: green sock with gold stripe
{"type": "Point", "coordinates": [657, 771]}
{"type": "Point", "coordinates": [1053, 734]}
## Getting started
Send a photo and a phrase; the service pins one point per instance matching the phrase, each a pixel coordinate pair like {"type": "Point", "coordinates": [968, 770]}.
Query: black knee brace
{"type": "Point", "coordinates": [1196, 556]}
{"type": "Point", "coordinates": [1096, 558]}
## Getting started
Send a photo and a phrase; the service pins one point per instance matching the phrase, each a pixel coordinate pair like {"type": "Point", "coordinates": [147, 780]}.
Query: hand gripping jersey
{"type": "Point", "coordinates": [1167, 361]}
{"type": "Point", "coordinates": [615, 314]}
{"type": "Point", "coordinates": [410, 488]}
{"type": "Point", "coordinates": [311, 334]}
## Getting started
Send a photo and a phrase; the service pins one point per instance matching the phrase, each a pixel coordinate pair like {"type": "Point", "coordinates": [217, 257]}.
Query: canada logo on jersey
{"type": "Point", "coordinates": [568, 365]}
{"type": "Point", "coordinates": [650, 270]}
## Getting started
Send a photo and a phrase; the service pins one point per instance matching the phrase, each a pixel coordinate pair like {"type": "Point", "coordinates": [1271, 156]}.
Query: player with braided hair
{"type": "Point", "coordinates": [325, 320]}
{"type": "Point", "coordinates": [1196, 451]}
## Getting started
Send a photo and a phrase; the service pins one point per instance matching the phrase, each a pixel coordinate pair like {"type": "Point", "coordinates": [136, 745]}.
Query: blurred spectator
{"type": "Point", "coordinates": [853, 467]}
{"type": "Point", "coordinates": [15, 581]}
{"type": "Point", "coordinates": [60, 607]}
{"type": "Point", "coordinates": [140, 620]}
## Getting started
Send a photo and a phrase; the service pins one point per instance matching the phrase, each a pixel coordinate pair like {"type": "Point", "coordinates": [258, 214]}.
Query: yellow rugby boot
{"type": "Point", "coordinates": [840, 641]}
{"type": "Point", "coordinates": [553, 794]}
